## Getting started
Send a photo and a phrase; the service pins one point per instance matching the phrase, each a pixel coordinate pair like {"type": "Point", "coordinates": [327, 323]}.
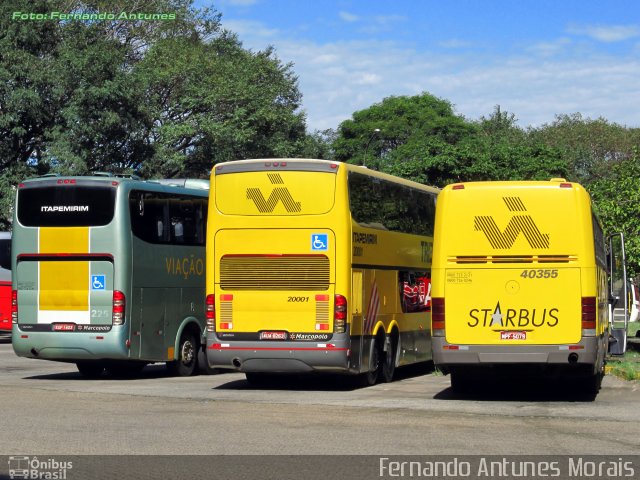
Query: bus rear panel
{"type": "Point", "coordinates": [519, 280]}
{"type": "Point", "coordinates": [109, 273]}
{"type": "Point", "coordinates": [275, 276]}
{"type": "Point", "coordinates": [64, 270]}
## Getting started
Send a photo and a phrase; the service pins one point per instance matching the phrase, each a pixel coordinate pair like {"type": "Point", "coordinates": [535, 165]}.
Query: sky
{"type": "Point", "coordinates": [533, 58]}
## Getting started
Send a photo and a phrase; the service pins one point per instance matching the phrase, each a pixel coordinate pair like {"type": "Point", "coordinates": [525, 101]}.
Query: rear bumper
{"type": "Point", "coordinates": [70, 346]}
{"type": "Point", "coordinates": [283, 357]}
{"type": "Point", "coordinates": [587, 352]}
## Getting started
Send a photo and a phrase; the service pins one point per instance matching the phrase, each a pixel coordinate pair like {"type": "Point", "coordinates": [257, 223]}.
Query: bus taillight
{"type": "Point", "coordinates": [589, 316]}
{"type": "Point", "coordinates": [119, 303]}
{"type": "Point", "coordinates": [437, 316]}
{"type": "Point", "coordinates": [340, 314]}
{"type": "Point", "coordinates": [14, 306]}
{"type": "Point", "coordinates": [210, 313]}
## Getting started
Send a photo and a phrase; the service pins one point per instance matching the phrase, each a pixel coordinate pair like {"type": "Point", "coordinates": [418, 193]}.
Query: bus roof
{"type": "Point", "coordinates": [201, 186]}
{"type": "Point", "coordinates": [308, 164]}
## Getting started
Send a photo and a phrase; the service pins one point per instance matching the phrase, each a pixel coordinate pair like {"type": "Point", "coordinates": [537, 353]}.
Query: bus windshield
{"type": "Point", "coordinates": [66, 205]}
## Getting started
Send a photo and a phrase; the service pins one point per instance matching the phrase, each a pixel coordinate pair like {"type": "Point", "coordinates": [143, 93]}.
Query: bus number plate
{"type": "Point", "coordinates": [273, 335]}
{"type": "Point", "coordinates": [513, 335]}
{"type": "Point", "coordinates": [64, 327]}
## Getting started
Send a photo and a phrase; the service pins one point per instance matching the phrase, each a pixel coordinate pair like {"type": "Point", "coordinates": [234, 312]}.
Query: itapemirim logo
{"type": "Point", "coordinates": [517, 224]}
{"type": "Point", "coordinates": [89, 17]}
{"type": "Point", "coordinates": [278, 194]}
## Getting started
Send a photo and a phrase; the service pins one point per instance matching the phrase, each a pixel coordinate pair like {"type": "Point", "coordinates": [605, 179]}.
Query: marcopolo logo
{"type": "Point", "coordinates": [518, 224]}
{"type": "Point", "coordinates": [278, 194]}
{"type": "Point", "coordinates": [35, 468]}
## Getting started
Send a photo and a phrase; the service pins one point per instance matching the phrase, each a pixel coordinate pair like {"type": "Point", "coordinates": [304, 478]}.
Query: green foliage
{"type": "Point", "coordinates": [588, 146]}
{"type": "Point", "coordinates": [156, 98]}
{"type": "Point", "coordinates": [402, 122]}
{"type": "Point", "coordinates": [424, 140]}
{"type": "Point", "coordinates": [616, 199]}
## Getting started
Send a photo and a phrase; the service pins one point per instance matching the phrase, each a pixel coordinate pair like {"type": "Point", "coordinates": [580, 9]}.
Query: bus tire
{"type": "Point", "coordinates": [125, 369]}
{"type": "Point", "coordinates": [187, 362]}
{"type": "Point", "coordinates": [375, 364]}
{"type": "Point", "coordinates": [461, 382]}
{"type": "Point", "coordinates": [592, 383]}
{"type": "Point", "coordinates": [90, 369]}
{"type": "Point", "coordinates": [258, 379]}
{"type": "Point", "coordinates": [388, 367]}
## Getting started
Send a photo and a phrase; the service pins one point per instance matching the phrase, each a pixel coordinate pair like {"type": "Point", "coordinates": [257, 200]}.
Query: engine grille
{"type": "Point", "coordinates": [274, 272]}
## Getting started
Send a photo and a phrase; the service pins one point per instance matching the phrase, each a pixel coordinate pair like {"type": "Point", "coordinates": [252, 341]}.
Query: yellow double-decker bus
{"type": "Point", "coordinates": [522, 282]}
{"type": "Point", "coordinates": [316, 265]}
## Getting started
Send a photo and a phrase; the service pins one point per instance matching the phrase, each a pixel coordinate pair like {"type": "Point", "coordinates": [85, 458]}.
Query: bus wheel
{"type": "Point", "coordinates": [388, 367]}
{"type": "Point", "coordinates": [258, 379]}
{"type": "Point", "coordinates": [90, 369]}
{"type": "Point", "coordinates": [126, 369]}
{"type": "Point", "coordinates": [187, 362]}
{"type": "Point", "coordinates": [461, 382]}
{"type": "Point", "coordinates": [372, 376]}
{"type": "Point", "coordinates": [592, 383]}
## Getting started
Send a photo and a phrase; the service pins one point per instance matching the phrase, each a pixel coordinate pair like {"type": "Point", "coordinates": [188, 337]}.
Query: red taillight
{"type": "Point", "coordinates": [437, 315]}
{"type": "Point", "coordinates": [14, 306]}
{"type": "Point", "coordinates": [589, 313]}
{"type": "Point", "coordinates": [339, 314]}
{"type": "Point", "coordinates": [210, 312]}
{"type": "Point", "coordinates": [119, 304]}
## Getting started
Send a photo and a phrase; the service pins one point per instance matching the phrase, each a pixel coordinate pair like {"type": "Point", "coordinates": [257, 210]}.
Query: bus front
{"type": "Point", "coordinates": [276, 300]}
{"type": "Point", "coordinates": [64, 246]}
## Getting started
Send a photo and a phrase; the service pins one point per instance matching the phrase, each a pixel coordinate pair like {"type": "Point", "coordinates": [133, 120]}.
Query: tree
{"type": "Point", "coordinates": [138, 96]}
{"type": "Point", "coordinates": [213, 102]}
{"type": "Point", "coordinates": [616, 199]}
{"type": "Point", "coordinates": [403, 122]}
{"type": "Point", "coordinates": [588, 146]}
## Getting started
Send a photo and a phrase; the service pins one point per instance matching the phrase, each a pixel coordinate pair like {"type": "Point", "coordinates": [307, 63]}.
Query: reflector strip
{"type": "Point", "coordinates": [219, 346]}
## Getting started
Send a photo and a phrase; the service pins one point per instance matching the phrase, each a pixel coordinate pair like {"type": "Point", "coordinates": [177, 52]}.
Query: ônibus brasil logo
{"type": "Point", "coordinates": [35, 468]}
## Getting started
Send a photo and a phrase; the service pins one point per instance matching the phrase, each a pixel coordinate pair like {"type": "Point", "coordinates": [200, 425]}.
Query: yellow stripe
{"type": "Point", "coordinates": [64, 285]}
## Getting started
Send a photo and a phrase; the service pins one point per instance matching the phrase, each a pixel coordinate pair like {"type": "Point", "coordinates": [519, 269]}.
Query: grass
{"type": "Point", "coordinates": [628, 366]}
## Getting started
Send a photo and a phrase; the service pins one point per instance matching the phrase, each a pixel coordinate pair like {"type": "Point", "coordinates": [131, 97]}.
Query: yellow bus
{"type": "Point", "coordinates": [521, 283]}
{"type": "Point", "coordinates": [315, 265]}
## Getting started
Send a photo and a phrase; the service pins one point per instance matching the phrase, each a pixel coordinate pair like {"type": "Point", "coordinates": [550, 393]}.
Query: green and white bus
{"type": "Point", "coordinates": [109, 272]}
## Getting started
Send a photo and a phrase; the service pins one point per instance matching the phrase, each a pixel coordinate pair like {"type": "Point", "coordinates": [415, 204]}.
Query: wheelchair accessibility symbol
{"type": "Point", "coordinates": [319, 242]}
{"type": "Point", "coordinates": [98, 282]}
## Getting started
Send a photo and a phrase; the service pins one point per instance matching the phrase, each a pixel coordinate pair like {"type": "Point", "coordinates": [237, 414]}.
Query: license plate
{"type": "Point", "coordinates": [273, 335]}
{"type": "Point", "coordinates": [64, 327]}
{"type": "Point", "coordinates": [513, 335]}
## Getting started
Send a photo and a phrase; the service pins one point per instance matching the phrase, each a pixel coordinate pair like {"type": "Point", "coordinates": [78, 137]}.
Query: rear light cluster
{"type": "Point", "coordinates": [210, 313]}
{"type": "Point", "coordinates": [589, 315]}
{"type": "Point", "coordinates": [119, 304]}
{"type": "Point", "coordinates": [437, 317]}
{"type": "Point", "coordinates": [14, 306]}
{"type": "Point", "coordinates": [340, 314]}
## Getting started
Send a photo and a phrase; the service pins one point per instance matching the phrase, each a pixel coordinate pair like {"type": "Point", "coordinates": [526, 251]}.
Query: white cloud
{"type": "Point", "coordinates": [606, 33]}
{"type": "Point", "coordinates": [348, 17]}
{"type": "Point", "coordinates": [455, 43]}
{"type": "Point", "coordinates": [339, 78]}
{"type": "Point", "coordinates": [251, 31]}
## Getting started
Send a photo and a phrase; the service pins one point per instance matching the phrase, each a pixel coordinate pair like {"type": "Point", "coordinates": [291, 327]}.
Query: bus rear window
{"type": "Point", "coordinates": [66, 205]}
